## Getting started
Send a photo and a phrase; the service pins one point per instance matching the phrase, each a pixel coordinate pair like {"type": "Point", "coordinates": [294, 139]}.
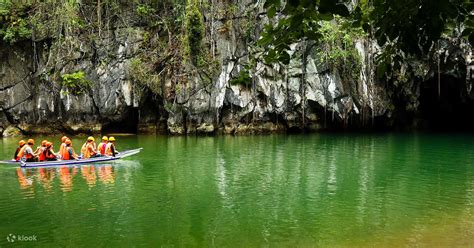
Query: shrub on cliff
{"type": "Point", "coordinates": [76, 83]}
{"type": "Point", "coordinates": [195, 33]}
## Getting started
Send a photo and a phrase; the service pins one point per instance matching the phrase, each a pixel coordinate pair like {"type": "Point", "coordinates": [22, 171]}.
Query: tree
{"type": "Point", "coordinates": [413, 26]}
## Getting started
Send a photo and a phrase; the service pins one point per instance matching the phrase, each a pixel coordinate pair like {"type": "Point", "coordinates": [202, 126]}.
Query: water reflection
{"type": "Point", "coordinates": [89, 174]}
{"type": "Point", "coordinates": [45, 176]}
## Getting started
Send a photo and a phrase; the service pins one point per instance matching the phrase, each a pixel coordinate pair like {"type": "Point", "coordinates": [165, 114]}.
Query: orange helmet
{"type": "Point", "coordinates": [44, 142]}
{"type": "Point", "coordinates": [31, 141]}
{"type": "Point", "coordinates": [63, 139]}
{"type": "Point", "coordinates": [68, 142]}
{"type": "Point", "coordinates": [21, 143]}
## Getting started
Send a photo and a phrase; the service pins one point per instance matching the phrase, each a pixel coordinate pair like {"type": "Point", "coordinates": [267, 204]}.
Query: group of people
{"type": "Point", "coordinates": [45, 151]}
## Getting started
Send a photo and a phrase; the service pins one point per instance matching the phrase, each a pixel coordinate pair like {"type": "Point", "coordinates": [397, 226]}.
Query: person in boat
{"type": "Point", "coordinates": [88, 150]}
{"type": "Point", "coordinates": [62, 146]}
{"type": "Point", "coordinates": [21, 143]}
{"type": "Point", "coordinates": [39, 151]}
{"type": "Point", "coordinates": [103, 145]}
{"type": "Point", "coordinates": [26, 152]}
{"type": "Point", "coordinates": [110, 148]}
{"type": "Point", "coordinates": [68, 151]}
{"type": "Point", "coordinates": [48, 152]}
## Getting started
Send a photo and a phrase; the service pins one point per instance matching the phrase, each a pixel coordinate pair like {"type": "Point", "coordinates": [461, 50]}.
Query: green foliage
{"type": "Point", "coordinates": [300, 21]}
{"type": "Point", "coordinates": [195, 33]}
{"type": "Point", "coordinates": [145, 10]}
{"type": "Point", "coordinates": [336, 47]}
{"type": "Point", "coordinates": [412, 26]}
{"type": "Point", "coordinates": [76, 83]}
{"type": "Point", "coordinates": [142, 74]}
{"type": "Point", "coordinates": [13, 22]}
{"type": "Point", "coordinates": [242, 79]}
{"type": "Point", "coordinates": [415, 25]}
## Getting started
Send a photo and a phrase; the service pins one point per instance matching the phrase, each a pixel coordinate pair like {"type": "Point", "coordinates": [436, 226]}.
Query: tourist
{"type": "Point", "coordinates": [103, 145]}
{"type": "Point", "coordinates": [110, 148]}
{"type": "Point", "coordinates": [39, 153]}
{"type": "Point", "coordinates": [48, 152]}
{"type": "Point", "coordinates": [68, 152]}
{"type": "Point", "coordinates": [26, 152]}
{"type": "Point", "coordinates": [21, 143]}
{"type": "Point", "coordinates": [62, 146]}
{"type": "Point", "coordinates": [88, 150]}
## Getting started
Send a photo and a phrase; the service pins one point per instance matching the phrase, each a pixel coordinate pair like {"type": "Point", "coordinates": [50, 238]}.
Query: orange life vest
{"type": "Point", "coordinates": [84, 149]}
{"type": "Point", "coordinates": [102, 148]}
{"type": "Point", "coordinates": [88, 150]}
{"type": "Point", "coordinates": [17, 151]}
{"type": "Point", "coordinates": [41, 156]}
{"type": "Point", "coordinates": [21, 153]}
{"type": "Point", "coordinates": [65, 155]}
{"type": "Point", "coordinates": [48, 154]}
{"type": "Point", "coordinates": [62, 148]}
{"type": "Point", "coordinates": [108, 149]}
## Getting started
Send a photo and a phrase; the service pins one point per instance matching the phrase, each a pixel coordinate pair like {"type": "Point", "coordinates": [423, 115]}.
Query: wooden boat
{"type": "Point", "coordinates": [120, 155]}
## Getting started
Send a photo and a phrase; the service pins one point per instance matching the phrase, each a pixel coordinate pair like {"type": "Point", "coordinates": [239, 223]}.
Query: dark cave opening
{"type": "Point", "coordinates": [128, 125]}
{"type": "Point", "coordinates": [447, 107]}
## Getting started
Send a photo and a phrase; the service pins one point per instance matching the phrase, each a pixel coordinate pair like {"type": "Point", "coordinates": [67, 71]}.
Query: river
{"type": "Point", "coordinates": [325, 190]}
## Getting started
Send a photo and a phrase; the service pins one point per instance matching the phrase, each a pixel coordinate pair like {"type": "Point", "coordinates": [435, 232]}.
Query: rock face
{"type": "Point", "coordinates": [303, 95]}
{"type": "Point", "coordinates": [29, 99]}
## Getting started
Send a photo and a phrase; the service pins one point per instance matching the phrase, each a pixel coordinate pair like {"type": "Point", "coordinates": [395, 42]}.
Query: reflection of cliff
{"type": "Point", "coordinates": [45, 177]}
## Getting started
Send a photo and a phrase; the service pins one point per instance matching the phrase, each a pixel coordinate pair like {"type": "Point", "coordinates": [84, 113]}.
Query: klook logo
{"type": "Point", "coordinates": [20, 238]}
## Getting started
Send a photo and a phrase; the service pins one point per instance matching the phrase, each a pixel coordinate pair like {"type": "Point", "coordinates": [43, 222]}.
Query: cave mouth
{"type": "Point", "coordinates": [129, 123]}
{"type": "Point", "coordinates": [448, 108]}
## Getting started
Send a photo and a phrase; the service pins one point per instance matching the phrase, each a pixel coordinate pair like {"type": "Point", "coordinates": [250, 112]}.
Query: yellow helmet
{"type": "Point", "coordinates": [105, 138]}
{"type": "Point", "coordinates": [90, 138]}
{"type": "Point", "coordinates": [111, 139]}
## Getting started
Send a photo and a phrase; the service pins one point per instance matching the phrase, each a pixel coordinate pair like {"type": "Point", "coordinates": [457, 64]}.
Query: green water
{"type": "Point", "coordinates": [303, 190]}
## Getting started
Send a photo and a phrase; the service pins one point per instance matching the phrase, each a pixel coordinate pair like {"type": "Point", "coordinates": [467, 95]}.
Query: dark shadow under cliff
{"type": "Point", "coordinates": [447, 107]}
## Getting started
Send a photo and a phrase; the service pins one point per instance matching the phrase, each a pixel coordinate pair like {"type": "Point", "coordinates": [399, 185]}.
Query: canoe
{"type": "Point", "coordinates": [121, 155]}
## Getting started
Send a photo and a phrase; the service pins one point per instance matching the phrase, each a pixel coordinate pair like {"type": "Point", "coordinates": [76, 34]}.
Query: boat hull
{"type": "Point", "coordinates": [121, 155]}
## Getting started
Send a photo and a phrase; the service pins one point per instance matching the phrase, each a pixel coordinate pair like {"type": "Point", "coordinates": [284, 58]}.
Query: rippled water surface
{"type": "Point", "coordinates": [302, 190]}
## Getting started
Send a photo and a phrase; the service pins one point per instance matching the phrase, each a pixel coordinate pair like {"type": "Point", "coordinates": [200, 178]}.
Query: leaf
{"type": "Point", "coordinates": [381, 70]}
{"type": "Point", "coordinates": [284, 58]}
{"type": "Point", "coordinates": [271, 12]}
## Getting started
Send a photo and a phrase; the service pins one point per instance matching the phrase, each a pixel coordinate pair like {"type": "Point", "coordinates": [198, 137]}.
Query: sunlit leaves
{"type": "Point", "coordinates": [299, 20]}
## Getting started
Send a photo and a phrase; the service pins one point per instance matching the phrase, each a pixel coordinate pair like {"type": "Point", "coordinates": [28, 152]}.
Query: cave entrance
{"type": "Point", "coordinates": [448, 110]}
{"type": "Point", "coordinates": [128, 125]}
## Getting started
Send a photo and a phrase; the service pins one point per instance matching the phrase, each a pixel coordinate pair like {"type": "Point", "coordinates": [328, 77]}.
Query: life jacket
{"type": "Point", "coordinates": [62, 148]}
{"type": "Point", "coordinates": [21, 153]}
{"type": "Point", "coordinates": [108, 149]}
{"type": "Point", "coordinates": [17, 151]}
{"type": "Point", "coordinates": [41, 156]}
{"type": "Point", "coordinates": [65, 155]}
{"type": "Point", "coordinates": [84, 149]}
{"type": "Point", "coordinates": [102, 148]}
{"type": "Point", "coordinates": [88, 150]}
{"type": "Point", "coordinates": [48, 154]}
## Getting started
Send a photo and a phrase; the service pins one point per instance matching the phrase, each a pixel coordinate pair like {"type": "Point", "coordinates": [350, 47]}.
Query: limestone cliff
{"type": "Point", "coordinates": [306, 94]}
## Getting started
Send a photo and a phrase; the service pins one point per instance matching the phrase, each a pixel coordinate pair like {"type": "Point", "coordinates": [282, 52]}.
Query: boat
{"type": "Point", "coordinates": [120, 155]}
